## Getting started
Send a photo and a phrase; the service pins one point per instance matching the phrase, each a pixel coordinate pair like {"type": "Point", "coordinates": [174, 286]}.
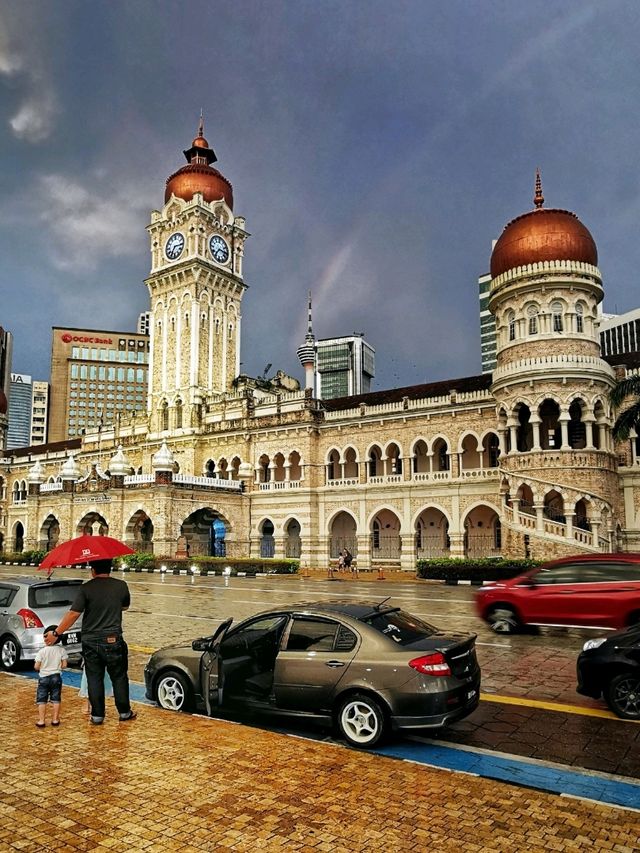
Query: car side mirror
{"type": "Point", "coordinates": [528, 582]}
{"type": "Point", "coordinates": [202, 644]}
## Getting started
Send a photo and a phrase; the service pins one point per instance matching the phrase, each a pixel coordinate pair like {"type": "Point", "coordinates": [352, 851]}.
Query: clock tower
{"type": "Point", "coordinates": [195, 287]}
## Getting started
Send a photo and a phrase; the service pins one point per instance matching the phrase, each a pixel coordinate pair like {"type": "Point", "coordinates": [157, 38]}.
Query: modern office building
{"type": "Point", "coordinates": [96, 376]}
{"type": "Point", "coordinates": [620, 334]}
{"type": "Point", "coordinates": [39, 412]}
{"type": "Point", "coordinates": [144, 320]}
{"type": "Point", "coordinates": [488, 345]}
{"type": "Point", "coordinates": [344, 366]}
{"type": "Point", "coordinates": [20, 405]}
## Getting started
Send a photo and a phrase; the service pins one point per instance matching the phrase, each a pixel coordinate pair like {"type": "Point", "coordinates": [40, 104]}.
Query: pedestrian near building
{"type": "Point", "coordinates": [49, 663]}
{"type": "Point", "coordinates": [101, 601]}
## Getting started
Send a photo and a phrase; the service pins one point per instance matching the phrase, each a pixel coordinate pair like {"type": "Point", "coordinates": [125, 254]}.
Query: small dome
{"type": "Point", "coordinates": [163, 460]}
{"type": "Point", "coordinates": [118, 464]}
{"type": "Point", "coordinates": [3, 402]}
{"type": "Point", "coordinates": [36, 473]}
{"type": "Point", "coordinates": [542, 235]}
{"type": "Point", "coordinates": [70, 470]}
{"type": "Point", "coordinates": [200, 142]}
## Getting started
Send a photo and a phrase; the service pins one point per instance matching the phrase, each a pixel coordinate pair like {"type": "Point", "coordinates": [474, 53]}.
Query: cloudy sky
{"type": "Point", "coordinates": [376, 149]}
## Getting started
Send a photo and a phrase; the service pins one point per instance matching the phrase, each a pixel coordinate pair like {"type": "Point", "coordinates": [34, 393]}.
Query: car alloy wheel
{"type": "Point", "coordinates": [623, 695]}
{"type": "Point", "coordinates": [173, 692]}
{"type": "Point", "coordinates": [502, 620]}
{"type": "Point", "coordinates": [9, 654]}
{"type": "Point", "coordinates": [361, 721]}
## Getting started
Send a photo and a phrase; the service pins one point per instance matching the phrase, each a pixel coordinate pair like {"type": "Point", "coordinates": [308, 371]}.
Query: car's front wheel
{"type": "Point", "coordinates": [9, 653]}
{"type": "Point", "coordinates": [362, 721]}
{"type": "Point", "coordinates": [173, 692]}
{"type": "Point", "coordinates": [503, 620]}
{"type": "Point", "coordinates": [623, 695]}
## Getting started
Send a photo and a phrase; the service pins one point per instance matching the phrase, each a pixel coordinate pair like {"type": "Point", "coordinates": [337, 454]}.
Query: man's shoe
{"type": "Point", "coordinates": [124, 718]}
{"type": "Point", "coordinates": [97, 721]}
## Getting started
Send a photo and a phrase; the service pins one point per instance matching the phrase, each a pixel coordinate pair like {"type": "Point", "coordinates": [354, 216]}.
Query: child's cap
{"type": "Point", "coordinates": [51, 628]}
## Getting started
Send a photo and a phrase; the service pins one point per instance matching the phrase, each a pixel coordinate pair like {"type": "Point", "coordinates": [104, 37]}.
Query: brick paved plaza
{"type": "Point", "coordinates": [179, 783]}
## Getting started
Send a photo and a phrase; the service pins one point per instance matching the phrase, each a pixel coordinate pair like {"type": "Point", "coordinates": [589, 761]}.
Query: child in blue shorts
{"type": "Point", "coordinates": [49, 663]}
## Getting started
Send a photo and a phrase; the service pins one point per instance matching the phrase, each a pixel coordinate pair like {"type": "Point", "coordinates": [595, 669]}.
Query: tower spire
{"type": "Point", "coordinates": [538, 198]}
{"type": "Point", "coordinates": [307, 352]}
{"type": "Point", "coordinates": [201, 123]}
{"type": "Point", "coordinates": [309, 336]}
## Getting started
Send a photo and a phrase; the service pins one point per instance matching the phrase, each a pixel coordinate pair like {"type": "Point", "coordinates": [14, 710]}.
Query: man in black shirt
{"type": "Point", "coordinates": [101, 602]}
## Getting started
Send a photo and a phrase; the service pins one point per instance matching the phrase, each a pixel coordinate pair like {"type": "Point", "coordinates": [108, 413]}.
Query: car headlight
{"type": "Point", "coordinates": [594, 644]}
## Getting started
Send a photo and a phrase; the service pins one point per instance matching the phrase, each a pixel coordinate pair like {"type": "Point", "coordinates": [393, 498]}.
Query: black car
{"type": "Point", "coordinates": [364, 667]}
{"type": "Point", "coordinates": [610, 667]}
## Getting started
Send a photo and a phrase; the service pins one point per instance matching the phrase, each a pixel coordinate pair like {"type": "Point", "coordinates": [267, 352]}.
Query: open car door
{"type": "Point", "coordinates": [209, 678]}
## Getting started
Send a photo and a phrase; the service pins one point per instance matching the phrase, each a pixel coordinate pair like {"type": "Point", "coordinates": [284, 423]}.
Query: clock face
{"type": "Point", "coordinates": [174, 246]}
{"type": "Point", "coordinates": [219, 249]}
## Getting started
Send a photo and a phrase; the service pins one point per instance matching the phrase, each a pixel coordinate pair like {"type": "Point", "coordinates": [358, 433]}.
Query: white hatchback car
{"type": "Point", "coordinates": [27, 606]}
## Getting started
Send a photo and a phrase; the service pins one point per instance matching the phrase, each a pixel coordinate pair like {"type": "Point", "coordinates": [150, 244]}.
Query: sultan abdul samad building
{"type": "Point", "coordinates": [518, 462]}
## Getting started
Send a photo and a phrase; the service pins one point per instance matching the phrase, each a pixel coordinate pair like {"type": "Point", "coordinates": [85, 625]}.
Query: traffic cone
{"type": "Point", "coordinates": [381, 576]}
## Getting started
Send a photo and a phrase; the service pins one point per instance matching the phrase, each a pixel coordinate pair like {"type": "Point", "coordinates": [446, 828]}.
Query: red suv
{"type": "Point", "coordinates": [594, 590]}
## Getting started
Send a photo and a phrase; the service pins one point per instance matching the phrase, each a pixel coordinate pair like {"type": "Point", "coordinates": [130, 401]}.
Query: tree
{"type": "Point", "coordinates": [628, 418]}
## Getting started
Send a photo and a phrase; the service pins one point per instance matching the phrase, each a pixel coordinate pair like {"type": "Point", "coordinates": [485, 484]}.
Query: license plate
{"type": "Point", "coordinates": [71, 638]}
{"type": "Point", "coordinates": [471, 694]}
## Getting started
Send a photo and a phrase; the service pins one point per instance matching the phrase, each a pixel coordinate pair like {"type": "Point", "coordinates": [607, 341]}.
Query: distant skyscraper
{"type": "Point", "coordinates": [144, 321]}
{"type": "Point", "coordinates": [620, 334]}
{"type": "Point", "coordinates": [344, 366]}
{"type": "Point", "coordinates": [487, 326]}
{"type": "Point", "coordinates": [20, 403]}
{"type": "Point", "coordinates": [39, 412]}
{"type": "Point", "coordinates": [95, 375]}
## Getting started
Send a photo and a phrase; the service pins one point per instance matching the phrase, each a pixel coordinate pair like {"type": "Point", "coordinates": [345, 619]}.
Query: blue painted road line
{"type": "Point", "coordinates": [72, 678]}
{"type": "Point", "coordinates": [542, 776]}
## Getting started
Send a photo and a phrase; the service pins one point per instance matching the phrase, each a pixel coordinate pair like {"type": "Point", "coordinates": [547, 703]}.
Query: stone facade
{"type": "Point", "coordinates": [521, 463]}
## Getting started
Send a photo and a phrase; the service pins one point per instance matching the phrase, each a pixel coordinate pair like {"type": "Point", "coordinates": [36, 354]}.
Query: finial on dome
{"type": "Point", "coordinates": [538, 198]}
{"type": "Point", "coordinates": [201, 123]}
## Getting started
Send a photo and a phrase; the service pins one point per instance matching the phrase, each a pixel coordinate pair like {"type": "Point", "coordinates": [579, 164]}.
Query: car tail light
{"type": "Point", "coordinates": [29, 618]}
{"type": "Point", "coordinates": [433, 664]}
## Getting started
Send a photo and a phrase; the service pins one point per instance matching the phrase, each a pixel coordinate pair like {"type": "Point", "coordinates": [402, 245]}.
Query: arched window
{"type": "Point", "coordinates": [579, 317]}
{"type": "Point", "coordinates": [532, 318]}
{"type": "Point", "coordinates": [511, 323]}
{"type": "Point", "coordinates": [164, 416]}
{"type": "Point", "coordinates": [556, 316]}
{"type": "Point", "coordinates": [178, 414]}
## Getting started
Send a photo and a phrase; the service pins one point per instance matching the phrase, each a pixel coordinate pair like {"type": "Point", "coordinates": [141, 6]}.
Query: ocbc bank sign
{"type": "Point", "coordinates": [81, 339]}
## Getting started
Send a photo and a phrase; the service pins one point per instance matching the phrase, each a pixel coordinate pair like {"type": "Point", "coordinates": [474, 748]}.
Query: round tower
{"type": "Point", "coordinates": [550, 383]}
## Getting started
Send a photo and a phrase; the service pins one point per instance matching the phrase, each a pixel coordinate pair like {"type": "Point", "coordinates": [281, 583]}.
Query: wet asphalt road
{"type": "Point", "coordinates": [533, 668]}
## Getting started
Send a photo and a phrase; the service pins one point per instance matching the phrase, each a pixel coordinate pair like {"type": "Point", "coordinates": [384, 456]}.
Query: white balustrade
{"type": "Point", "coordinates": [138, 479]}
{"type": "Point", "coordinates": [207, 482]}
{"type": "Point", "coordinates": [343, 484]}
{"type": "Point", "coordinates": [51, 487]}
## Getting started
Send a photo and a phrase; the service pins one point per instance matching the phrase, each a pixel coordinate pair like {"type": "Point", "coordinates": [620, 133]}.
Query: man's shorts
{"type": "Point", "coordinates": [49, 689]}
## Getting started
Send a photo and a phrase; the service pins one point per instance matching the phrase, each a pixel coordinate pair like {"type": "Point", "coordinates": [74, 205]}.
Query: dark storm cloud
{"type": "Point", "coordinates": [375, 149]}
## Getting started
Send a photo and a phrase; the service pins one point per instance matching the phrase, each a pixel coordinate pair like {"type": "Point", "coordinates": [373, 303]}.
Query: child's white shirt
{"type": "Point", "coordinates": [50, 659]}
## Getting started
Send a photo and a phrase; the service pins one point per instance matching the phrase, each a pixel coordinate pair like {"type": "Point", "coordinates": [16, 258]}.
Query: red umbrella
{"type": "Point", "coordinates": [85, 549]}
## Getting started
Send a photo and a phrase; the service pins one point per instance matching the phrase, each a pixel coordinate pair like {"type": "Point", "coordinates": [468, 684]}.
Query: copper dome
{"type": "Point", "coordinates": [199, 176]}
{"type": "Point", "coordinates": [542, 235]}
